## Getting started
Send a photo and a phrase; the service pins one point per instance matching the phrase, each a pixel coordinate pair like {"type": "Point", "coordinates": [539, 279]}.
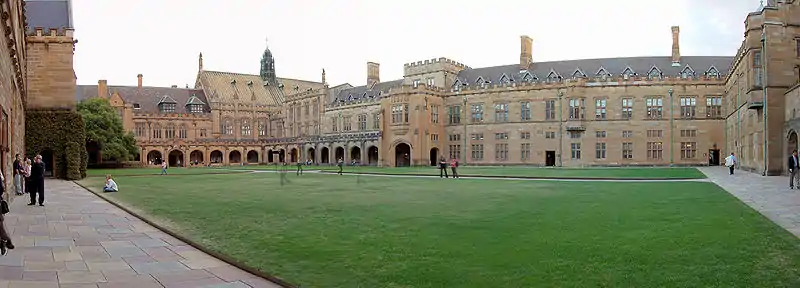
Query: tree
{"type": "Point", "coordinates": [104, 127]}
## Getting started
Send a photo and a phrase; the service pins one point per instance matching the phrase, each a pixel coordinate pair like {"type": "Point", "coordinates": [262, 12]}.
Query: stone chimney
{"type": "Point", "coordinates": [676, 46]}
{"type": "Point", "coordinates": [373, 73]}
{"type": "Point", "coordinates": [140, 80]}
{"type": "Point", "coordinates": [525, 52]}
{"type": "Point", "coordinates": [102, 88]}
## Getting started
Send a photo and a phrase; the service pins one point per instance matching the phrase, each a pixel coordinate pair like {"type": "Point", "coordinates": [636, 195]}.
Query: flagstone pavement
{"type": "Point", "coordinates": [80, 240]}
{"type": "Point", "coordinates": [768, 195]}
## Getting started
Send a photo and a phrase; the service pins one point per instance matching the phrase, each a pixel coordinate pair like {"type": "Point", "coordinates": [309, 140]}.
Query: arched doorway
{"type": "Point", "coordinates": [270, 159]}
{"type": "Point", "coordinates": [372, 155]}
{"type": "Point", "coordinates": [355, 154]}
{"type": "Point", "coordinates": [293, 155]}
{"type": "Point", "coordinates": [402, 155]}
{"type": "Point", "coordinates": [282, 156]}
{"type": "Point", "coordinates": [434, 156]}
{"type": "Point", "coordinates": [339, 154]}
{"type": "Point", "coordinates": [310, 155]}
{"type": "Point", "coordinates": [216, 156]}
{"type": "Point", "coordinates": [154, 157]}
{"type": "Point", "coordinates": [196, 157]}
{"type": "Point", "coordinates": [93, 151]}
{"type": "Point", "coordinates": [235, 157]}
{"type": "Point", "coordinates": [791, 143]}
{"type": "Point", "coordinates": [325, 156]}
{"type": "Point", "coordinates": [49, 163]}
{"type": "Point", "coordinates": [252, 156]}
{"type": "Point", "coordinates": [175, 159]}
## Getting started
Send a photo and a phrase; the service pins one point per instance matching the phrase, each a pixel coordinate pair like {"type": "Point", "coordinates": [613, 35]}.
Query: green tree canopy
{"type": "Point", "coordinates": [104, 127]}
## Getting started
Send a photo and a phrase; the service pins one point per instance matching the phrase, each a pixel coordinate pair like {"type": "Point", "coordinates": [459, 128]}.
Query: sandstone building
{"type": "Point", "coordinates": [13, 90]}
{"type": "Point", "coordinates": [621, 111]}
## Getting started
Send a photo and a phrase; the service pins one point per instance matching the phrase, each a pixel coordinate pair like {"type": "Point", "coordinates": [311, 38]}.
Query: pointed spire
{"type": "Point", "coordinates": [200, 62]}
{"type": "Point", "coordinates": [760, 6]}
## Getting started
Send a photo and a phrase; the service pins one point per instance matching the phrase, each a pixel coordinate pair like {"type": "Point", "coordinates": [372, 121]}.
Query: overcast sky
{"type": "Point", "coordinates": [161, 39]}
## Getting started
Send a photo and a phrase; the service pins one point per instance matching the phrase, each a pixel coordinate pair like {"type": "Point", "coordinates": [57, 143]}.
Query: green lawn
{"type": "Point", "coordinates": [156, 171]}
{"type": "Point", "coordinates": [518, 171]}
{"type": "Point", "coordinates": [324, 230]}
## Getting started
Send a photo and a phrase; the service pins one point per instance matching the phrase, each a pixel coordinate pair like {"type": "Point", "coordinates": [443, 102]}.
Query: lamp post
{"type": "Point", "coordinates": [560, 129]}
{"type": "Point", "coordinates": [764, 84]}
{"type": "Point", "coordinates": [464, 99]}
{"type": "Point", "coordinates": [671, 128]}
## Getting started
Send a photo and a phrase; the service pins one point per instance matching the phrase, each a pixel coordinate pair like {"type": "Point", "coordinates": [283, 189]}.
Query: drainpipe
{"type": "Point", "coordinates": [671, 129]}
{"type": "Point", "coordinates": [765, 85]}
{"type": "Point", "coordinates": [560, 130]}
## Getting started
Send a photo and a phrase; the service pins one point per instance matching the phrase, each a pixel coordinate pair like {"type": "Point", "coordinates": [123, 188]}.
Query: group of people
{"type": "Point", "coordinates": [443, 168]}
{"type": "Point", "coordinates": [29, 177]}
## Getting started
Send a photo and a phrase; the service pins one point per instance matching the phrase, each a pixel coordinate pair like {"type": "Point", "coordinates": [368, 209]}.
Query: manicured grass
{"type": "Point", "coordinates": [156, 171]}
{"type": "Point", "coordinates": [331, 231]}
{"type": "Point", "coordinates": [533, 172]}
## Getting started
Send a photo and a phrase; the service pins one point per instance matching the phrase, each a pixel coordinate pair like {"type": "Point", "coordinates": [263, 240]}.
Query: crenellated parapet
{"type": "Point", "coordinates": [433, 65]}
{"type": "Point", "coordinates": [60, 36]}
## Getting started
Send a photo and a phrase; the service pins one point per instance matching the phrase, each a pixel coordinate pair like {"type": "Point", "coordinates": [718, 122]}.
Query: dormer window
{"type": "Point", "coordinates": [687, 72]}
{"type": "Point", "coordinates": [167, 107]}
{"type": "Point", "coordinates": [195, 108]}
{"type": "Point", "coordinates": [712, 73]}
{"type": "Point", "coordinates": [553, 77]}
{"type": "Point", "coordinates": [654, 73]}
{"type": "Point", "coordinates": [137, 106]}
{"type": "Point", "coordinates": [602, 74]}
{"type": "Point", "coordinates": [505, 79]}
{"type": "Point", "coordinates": [195, 105]}
{"type": "Point", "coordinates": [528, 77]}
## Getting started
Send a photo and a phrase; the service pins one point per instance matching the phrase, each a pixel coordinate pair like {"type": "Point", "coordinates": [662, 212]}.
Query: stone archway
{"type": "Point", "coordinates": [175, 158]}
{"type": "Point", "coordinates": [154, 157]}
{"type": "Point", "coordinates": [372, 155]}
{"type": "Point", "coordinates": [282, 156]}
{"type": "Point", "coordinates": [293, 155]}
{"type": "Point", "coordinates": [339, 153]}
{"type": "Point", "coordinates": [325, 156]}
{"type": "Point", "coordinates": [216, 156]}
{"type": "Point", "coordinates": [434, 156]}
{"type": "Point", "coordinates": [270, 158]}
{"type": "Point", "coordinates": [311, 155]}
{"type": "Point", "coordinates": [402, 155]}
{"type": "Point", "coordinates": [196, 157]}
{"type": "Point", "coordinates": [235, 157]}
{"type": "Point", "coordinates": [791, 142]}
{"type": "Point", "coordinates": [355, 154]}
{"type": "Point", "coordinates": [252, 156]}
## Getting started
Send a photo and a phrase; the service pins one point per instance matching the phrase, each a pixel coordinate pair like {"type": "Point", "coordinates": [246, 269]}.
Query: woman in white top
{"type": "Point", "coordinates": [111, 186]}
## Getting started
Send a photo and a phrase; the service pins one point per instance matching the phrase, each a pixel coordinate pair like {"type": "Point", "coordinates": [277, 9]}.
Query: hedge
{"type": "Point", "coordinates": [62, 132]}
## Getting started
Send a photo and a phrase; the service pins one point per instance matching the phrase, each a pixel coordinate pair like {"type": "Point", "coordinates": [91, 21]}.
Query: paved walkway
{"type": "Point", "coordinates": [769, 195]}
{"type": "Point", "coordinates": [80, 240]}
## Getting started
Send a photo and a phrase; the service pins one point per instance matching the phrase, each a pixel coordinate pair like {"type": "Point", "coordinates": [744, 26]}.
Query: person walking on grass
{"type": "Point", "coordinates": [454, 167]}
{"type": "Point", "coordinates": [794, 166]}
{"type": "Point", "coordinates": [37, 181]}
{"type": "Point", "coordinates": [299, 167]}
{"type": "Point", "coordinates": [443, 167]}
{"type": "Point", "coordinates": [340, 163]}
{"type": "Point", "coordinates": [730, 161]}
{"type": "Point", "coordinates": [164, 168]}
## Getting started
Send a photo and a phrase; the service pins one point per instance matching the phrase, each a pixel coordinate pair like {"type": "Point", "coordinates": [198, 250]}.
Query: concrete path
{"type": "Point", "coordinates": [769, 195]}
{"type": "Point", "coordinates": [80, 240]}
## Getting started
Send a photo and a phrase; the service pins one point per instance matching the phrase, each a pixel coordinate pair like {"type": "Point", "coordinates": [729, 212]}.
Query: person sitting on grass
{"type": "Point", "coordinates": [111, 186]}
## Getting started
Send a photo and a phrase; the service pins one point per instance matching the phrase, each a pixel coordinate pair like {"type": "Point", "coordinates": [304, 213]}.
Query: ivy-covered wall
{"type": "Point", "coordinates": [63, 133]}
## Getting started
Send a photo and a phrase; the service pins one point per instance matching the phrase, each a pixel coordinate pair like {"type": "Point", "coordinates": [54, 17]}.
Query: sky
{"type": "Point", "coordinates": [162, 39]}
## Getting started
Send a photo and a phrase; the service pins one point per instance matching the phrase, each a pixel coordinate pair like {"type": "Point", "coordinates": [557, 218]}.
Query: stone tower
{"type": "Point", "coordinates": [268, 67]}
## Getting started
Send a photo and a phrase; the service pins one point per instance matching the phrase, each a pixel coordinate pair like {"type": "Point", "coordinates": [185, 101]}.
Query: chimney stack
{"type": "Point", "coordinates": [525, 53]}
{"type": "Point", "coordinates": [676, 47]}
{"type": "Point", "coordinates": [373, 73]}
{"type": "Point", "coordinates": [102, 88]}
{"type": "Point", "coordinates": [140, 80]}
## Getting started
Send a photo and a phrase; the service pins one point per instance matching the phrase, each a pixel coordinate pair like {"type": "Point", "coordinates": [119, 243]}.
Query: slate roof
{"type": "Point", "coordinates": [48, 14]}
{"type": "Point", "coordinates": [356, 93]}
{"type": "Point", "coordinates": [228, 86]}
{"type": "Point", "coordinates": [148, 98]}
{"type": "Point", "coordinates": [590, 67]}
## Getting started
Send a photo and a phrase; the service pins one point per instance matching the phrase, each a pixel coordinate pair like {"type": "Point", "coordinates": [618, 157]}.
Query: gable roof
{"type": "Point", "coordinates": [229, 86]}
{"type": "Point", "coordinates": [359, 92]}
{"type": "Point", "coordinates": [148, 97]}
{"type": "Point", "coordinates": [614, 66]}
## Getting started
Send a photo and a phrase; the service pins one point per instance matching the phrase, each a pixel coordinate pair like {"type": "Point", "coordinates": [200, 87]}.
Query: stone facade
{"type": "Point", "coordinates": [763, 80]}
{"type": "Point", "coordinates": [13, 89]}
{"type": "Point", "coordinates": [665, 110]}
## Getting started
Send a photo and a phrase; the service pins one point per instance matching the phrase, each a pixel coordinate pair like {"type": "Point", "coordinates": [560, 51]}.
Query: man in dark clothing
{"type": "Point", "coordinates": [340, 163]}
{"type": "Point", "coordinates": [37, 179]}
{"type": "Point", "coordinates": [794, 166]}
{"type": "Point", "coordinates": [18, 171]}
{"type": "Point", "coordinates": [299, 167]}
{"type": "Point", "coordinates": [443, 168]}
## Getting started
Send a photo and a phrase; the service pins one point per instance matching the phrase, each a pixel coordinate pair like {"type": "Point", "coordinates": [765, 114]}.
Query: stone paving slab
{"type": "Point", "coordinates": [769, 195]}
{"type": "Point", "coordinates": [79, 240]}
